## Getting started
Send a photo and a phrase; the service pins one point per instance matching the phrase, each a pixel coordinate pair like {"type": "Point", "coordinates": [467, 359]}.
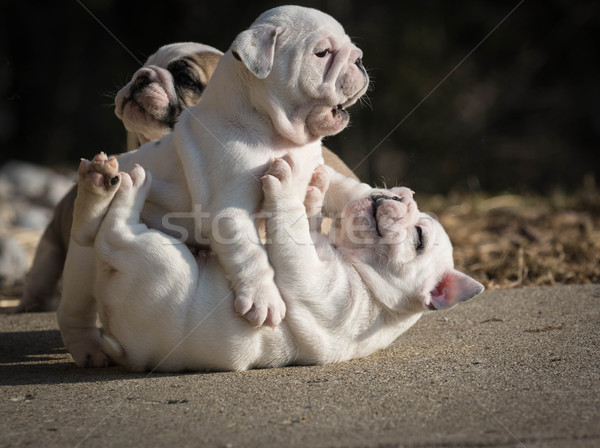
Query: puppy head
{"type": "Point", "coordinates": [404, 256]}
{"type": "Point", "coordinates": [172, 79]}
{"type": "Point", "coordinates": [303, 70]}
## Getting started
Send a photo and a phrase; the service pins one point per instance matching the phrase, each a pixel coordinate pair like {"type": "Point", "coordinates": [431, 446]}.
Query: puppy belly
{"type": "Point", "coordinates": [191, 327]}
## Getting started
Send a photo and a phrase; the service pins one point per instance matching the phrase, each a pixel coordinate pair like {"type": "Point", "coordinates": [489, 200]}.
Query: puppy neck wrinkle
{"type": "Point", "coordinates": [283, 128]}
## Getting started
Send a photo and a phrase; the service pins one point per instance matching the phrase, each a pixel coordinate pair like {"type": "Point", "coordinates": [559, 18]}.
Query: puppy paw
{"type": "Point", "coordinates": [260, 305]}
{"type": "Point", "coordinates": [134, 188]}
{"type": "Point", "coordinates": [128, 202]}
{"type": "Point", "coordinates": [89, 353]}
{"type": "Point", "coordinates": [279, 175]}
{"type": "Point", "coordinates": [99, 180]}
{"type": "Point", "coordinates": [315, 194]}
{"type": "Point", "coordinates": [100, 175]}
{"type": "Point", "coordinates": [278, 183]}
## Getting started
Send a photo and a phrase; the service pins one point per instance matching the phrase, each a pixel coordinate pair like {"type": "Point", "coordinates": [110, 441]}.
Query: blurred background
{"type": "Point", "coordinates": [520, 114]}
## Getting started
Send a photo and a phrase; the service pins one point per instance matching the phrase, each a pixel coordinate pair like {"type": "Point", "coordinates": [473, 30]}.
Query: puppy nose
{"type": "Point", "coordinates": [383, 197]}
{"type": "Point", "coordinates": [359, 63]}
{"type": "Point", "coordinates": [141, 82]}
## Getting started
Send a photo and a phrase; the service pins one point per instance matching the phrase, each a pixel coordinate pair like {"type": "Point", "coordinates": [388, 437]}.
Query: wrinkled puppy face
{"type": "Point", "coordinates": [332, 77]}
{"type": "Point", "coordinates": [172, 79]}
{"type": "Point", "coordinates": [309, 70]}
{"type": "Point", "coordinates": [403, 255]}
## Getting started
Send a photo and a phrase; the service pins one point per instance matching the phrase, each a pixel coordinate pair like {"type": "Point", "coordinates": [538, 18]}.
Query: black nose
{"type": "Point", "coordinates": [359, 62]}
{"type": "Point", "coordinates": [140, 82]}
{"type": "Point", "coordinates": [382, 197]}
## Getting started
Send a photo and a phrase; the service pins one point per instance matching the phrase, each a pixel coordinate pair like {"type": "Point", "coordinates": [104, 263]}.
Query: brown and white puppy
{"type": "Point", "coordinates": [172, 79]}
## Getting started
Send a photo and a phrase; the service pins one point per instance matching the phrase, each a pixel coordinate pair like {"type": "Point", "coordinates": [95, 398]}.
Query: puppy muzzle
{"type": "Point", "coordinates": [148, 75]}
{"type": "Point", "coordinates": [343, 55]}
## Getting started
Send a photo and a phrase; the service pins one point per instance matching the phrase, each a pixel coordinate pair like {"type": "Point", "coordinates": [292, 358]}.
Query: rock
{"type": "Point", "coordinates": [34, 183]}
{"type": "Point", "coordinates": [58, 187]}
{"type": "Point", "coordinates": [6, 187]}
{"type": "Point", "coordinates": [32, 217]}
{"type": "Point", "coordinates": [27, 179]}
{"type": "Point", "coordinates": [13, 261]}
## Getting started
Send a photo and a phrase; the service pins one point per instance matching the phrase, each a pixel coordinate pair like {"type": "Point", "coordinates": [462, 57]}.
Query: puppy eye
{"type": "Point", "coordinates": [183, 75]}
{"type": "Point", "coordinates": [322, 54]}
{"type": "Point", "coordinates": [184, 80]}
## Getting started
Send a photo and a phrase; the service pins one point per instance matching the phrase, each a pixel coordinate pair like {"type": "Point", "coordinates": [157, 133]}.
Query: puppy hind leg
{"type": "Point", "coordinates": [122, 220]}
{"type": "Point", "coordinates": [131, 196]}
{"type": "Point", "coordinates": [98, 182]}
{"type": "Point", "coordinates": [76, 312]}
{"type": "Point", "coordinates": [315, 195]}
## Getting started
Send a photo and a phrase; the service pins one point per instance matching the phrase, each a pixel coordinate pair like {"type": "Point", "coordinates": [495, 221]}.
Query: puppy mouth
{"type": "Point", "coordinates": [141, 100]}
{"type": "Point", "coordinates": [339, 111]}
{"type": "Point", "coordinates": [374, 206]}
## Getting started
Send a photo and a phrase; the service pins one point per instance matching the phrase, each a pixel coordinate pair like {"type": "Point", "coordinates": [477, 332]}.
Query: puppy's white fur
{"type": "Point", "coordinates": [275, 91]}
{"type": "Point", "coordinates": [343, 302]}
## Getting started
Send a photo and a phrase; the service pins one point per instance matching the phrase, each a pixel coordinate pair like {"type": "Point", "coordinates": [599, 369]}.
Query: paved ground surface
{"type": "Point", "coordinates": [511, 368]}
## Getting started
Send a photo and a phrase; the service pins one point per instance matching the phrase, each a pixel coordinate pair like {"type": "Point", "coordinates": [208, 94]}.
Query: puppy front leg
{"type": "Point", "coordinates": [234, 238]}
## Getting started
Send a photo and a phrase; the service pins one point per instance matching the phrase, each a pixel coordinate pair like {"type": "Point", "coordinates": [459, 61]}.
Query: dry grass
{"type": "Point", "coordinates": [507, 241]}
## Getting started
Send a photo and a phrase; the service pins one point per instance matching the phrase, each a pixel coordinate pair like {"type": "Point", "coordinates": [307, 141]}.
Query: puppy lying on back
{"type": "Point", "coordinates": [164, 309]}
{"type": "Point", "coordinates": [172, 79]}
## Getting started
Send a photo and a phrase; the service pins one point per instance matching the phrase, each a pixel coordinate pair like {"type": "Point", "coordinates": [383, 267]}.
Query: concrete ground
{"type": "Point", "coordinates": [512, 368]}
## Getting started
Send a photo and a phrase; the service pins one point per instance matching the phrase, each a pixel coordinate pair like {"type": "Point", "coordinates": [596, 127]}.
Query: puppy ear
{"type": "Point", "coordinates": [454, 287]}
{"type": "Point", "coordinates": [255, 47]}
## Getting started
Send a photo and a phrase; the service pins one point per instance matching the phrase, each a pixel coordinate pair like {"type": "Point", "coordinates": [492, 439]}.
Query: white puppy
{"type": "Point", "coordinates": [284, 84]}
{"type": "Point", "coordinates": [172, 79]}
{"type": "Point", "coordinates": [390, 264]}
